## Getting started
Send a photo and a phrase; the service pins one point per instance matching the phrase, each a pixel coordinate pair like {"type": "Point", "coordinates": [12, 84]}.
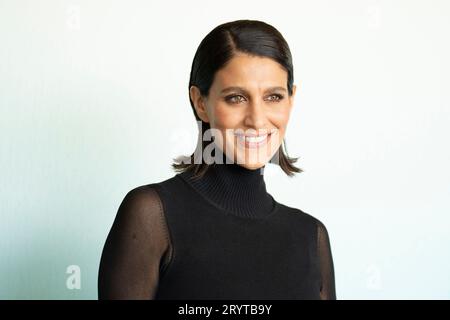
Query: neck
{"type": "Point", "coordinates": [234, 188]}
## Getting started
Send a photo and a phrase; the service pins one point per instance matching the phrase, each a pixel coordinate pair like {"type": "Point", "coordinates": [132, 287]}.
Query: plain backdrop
{"type": "Point", "coordinates": [94, 102]}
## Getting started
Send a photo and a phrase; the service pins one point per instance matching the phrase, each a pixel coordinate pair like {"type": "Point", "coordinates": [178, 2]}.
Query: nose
{"type": "Point", "coordinates": [255, 117]}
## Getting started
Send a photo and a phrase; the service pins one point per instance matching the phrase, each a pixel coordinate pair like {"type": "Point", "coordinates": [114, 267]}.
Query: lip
{"type": "Point", "coordinates": [253, 145]}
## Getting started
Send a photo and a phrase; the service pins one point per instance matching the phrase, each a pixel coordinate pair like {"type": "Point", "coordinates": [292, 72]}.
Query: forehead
{"type": "Point", "coordinates": [246, 70]}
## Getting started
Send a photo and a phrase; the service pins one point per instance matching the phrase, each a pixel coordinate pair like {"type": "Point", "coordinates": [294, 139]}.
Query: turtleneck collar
{"type": "Point", "coordinates": [234, 188]}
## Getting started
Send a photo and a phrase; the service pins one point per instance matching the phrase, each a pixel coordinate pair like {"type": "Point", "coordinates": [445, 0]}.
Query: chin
{"type": "Point", "coordinates": [251, 165]}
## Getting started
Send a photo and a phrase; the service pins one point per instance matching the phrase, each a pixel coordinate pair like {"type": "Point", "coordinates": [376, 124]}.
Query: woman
{"type": "Point", "coordinates": [212, 231]}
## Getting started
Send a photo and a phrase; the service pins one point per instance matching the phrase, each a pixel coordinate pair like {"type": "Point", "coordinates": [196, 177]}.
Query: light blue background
{"type": "Point", "coordinates": [93, 102]}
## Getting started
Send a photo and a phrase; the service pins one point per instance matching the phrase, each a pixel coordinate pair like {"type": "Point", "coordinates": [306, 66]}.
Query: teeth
{"type": "Point", "coordinates": [254, 139]}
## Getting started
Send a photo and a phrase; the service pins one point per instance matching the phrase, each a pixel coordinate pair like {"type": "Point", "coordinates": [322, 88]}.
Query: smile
{"type": "Point", "coordinates": [252, 142]}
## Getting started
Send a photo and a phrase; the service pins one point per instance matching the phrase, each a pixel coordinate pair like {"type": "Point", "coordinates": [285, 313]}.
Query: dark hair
{"type": "Point", "coordinates": [253, 37]}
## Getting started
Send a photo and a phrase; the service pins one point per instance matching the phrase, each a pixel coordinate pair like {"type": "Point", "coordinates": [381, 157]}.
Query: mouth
{"type": "Point", "coordinates": [253, 141]}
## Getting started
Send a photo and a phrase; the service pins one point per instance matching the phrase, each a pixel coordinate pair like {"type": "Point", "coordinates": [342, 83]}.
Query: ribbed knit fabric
{"type": "Point", "coordinates": [235, 189]}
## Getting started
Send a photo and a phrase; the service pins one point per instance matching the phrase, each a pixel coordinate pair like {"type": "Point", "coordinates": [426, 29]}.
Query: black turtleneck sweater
{"type": "Point", "coordinates": [222, 236]}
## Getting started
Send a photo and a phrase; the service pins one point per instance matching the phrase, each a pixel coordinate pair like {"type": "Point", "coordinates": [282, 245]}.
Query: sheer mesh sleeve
{"type": "Point", "coordinates": [327, 289]}
{"type": "Point", "coordinates": [137, 248]}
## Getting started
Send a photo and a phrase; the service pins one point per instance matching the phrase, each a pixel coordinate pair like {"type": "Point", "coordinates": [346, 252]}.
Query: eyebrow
{"type": "Point", "coordinates": [242, 90]}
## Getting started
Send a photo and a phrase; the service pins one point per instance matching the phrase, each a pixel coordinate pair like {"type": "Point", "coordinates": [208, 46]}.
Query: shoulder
{"type": "Point", "coordinates": [141, 206]}
{"type": "Point", "coordinates": [141, 197]}
{"type": "Point", "coordinates": [148, 195]}
{"type": "Point", "coordinates": [305, 218]}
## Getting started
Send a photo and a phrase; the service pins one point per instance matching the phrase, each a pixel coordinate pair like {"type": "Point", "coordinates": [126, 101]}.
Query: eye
{"type": "Point", "coordinates": [276, 97]}
{"type": "Point", "coordinates": [234, 98]}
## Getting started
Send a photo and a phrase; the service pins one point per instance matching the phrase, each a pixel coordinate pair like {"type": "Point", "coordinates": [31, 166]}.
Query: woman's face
{"type": "Point", "coordinates": [248, 97]}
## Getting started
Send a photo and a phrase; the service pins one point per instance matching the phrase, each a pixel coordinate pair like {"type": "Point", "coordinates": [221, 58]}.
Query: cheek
{"type": "Point", "coordinates": [280, 118]}
{"type": "Point", "coordinates": [225, 117]}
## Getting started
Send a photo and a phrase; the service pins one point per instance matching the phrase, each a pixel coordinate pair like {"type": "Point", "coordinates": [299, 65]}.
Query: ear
{"type": "Point", "coordinates": [199, 103]}
{"type": "Point", "coordinates": [294, 90]}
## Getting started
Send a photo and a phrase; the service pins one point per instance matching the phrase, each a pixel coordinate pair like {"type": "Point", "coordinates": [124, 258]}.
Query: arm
{"type": "Point", "coordinates": [130, 261]}
{"type": "Point", "coordinates": [327, 289]}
